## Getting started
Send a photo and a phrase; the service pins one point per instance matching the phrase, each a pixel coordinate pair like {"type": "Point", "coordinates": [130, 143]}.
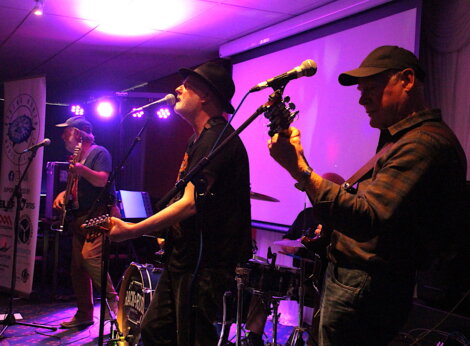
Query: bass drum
{"type": "Point", "coordinates": [135, 294]}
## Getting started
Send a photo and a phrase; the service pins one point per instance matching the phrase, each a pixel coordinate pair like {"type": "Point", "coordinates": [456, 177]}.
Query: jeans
{"type": "Point", "coordinates": [364, 308]}
{"type": "Point", "coordinates": [86, 270]}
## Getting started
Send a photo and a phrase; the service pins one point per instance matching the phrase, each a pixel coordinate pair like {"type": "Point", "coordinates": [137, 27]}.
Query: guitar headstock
{"type": "Point", "coordinates": [97, 226]}
{"type": "Point", "coordinates": [280, 112]}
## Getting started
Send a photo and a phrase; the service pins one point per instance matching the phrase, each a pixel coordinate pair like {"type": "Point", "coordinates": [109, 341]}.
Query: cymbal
{"type": "Point", "coordinates": [261, 197]}
{"type": "Point", "coordinates": [289, 243]}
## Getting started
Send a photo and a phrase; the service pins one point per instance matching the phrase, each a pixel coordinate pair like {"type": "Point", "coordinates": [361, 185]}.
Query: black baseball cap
{"type": "Point", "coordinates": [382, 59]}
{"type": "Point", "coordinates": [78, 122]}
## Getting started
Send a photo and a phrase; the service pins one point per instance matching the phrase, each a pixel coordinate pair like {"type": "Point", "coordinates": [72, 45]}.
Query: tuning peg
{"type": "Point", "coordinates": [291, 106]}
{"type": "Point", "coordinates": [287, 99]}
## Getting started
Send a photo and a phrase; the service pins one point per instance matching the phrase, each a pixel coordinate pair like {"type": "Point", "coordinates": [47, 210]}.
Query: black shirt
{"type": "Point", "coordinates": [225, 216]}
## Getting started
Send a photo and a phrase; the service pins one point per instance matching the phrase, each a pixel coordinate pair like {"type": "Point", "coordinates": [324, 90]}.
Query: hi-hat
{"type": "Point", "coordinates": [261, 197]}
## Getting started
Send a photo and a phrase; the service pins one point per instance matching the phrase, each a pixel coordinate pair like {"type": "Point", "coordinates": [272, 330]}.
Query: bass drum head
{"type": "Point", "coordinates": [135, 294]}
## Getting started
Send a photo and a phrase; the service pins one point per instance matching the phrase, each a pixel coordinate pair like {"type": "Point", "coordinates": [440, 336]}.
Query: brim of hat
{"type": "Point", "coordinates": [185, 72]}
{"type": "Point", "coordinates": [351, 77]}
{"type": "Point", "coordinates": [62, 125]}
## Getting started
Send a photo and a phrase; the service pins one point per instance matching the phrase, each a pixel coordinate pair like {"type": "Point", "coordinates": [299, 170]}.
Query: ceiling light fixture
{"type": "Point", "coordinates": [38, 9]}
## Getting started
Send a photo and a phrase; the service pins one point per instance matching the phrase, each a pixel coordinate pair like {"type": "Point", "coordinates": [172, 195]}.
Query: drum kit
{"type": "Point", "coordinates": [260, 277]}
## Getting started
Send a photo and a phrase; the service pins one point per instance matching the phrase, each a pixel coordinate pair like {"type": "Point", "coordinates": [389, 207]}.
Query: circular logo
{"type": "Point", "coordinates": [25, 229]}
{"type": "Point", "coordinates": [22, 122]}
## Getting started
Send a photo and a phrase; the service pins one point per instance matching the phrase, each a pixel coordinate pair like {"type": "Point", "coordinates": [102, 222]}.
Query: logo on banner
{"type": "Point", "coordinates": [22, 122]}
{"type": "Point", "coordinates": [25, 275]}
{"type": "Point", "coordinates": [4, 244]}
{"type": "Point", "coordinates": [25, 229]}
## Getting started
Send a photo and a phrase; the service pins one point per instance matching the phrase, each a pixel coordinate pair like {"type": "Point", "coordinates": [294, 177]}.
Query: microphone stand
{"type": "Point", "coordinates": [9, 319]}
{"type": "Point", "coordinates": [105, 242]}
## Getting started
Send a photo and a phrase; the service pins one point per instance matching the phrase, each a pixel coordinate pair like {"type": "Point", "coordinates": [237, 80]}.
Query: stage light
{"type": "Point", "coordinates": [38, 9]}
{"type": "Point", "coordinates": [105, 109]}
{"type": "Point", "coordinates": [77, 110]}
{"type": "Point", "coordinates": [163, 113]}
{"type": "Point", "coordinates": [137, 113]}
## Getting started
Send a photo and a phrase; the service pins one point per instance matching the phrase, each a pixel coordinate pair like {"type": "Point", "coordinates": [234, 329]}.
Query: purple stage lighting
{"type": "Point", "coordinates": [105, 109]}
{"type": "Point", "coordinates": [163, 113]}
{"type": "Point", "coordinates": [77, 110]}
{"type": "Point", "coordinates": [137, 113]}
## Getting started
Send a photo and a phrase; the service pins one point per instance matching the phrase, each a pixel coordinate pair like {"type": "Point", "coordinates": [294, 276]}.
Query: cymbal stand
{"type": "Point", "coordinates": [275, 304]}
{"type": "Point", "coordinates": [241, 278]}
{"type": "Point", "coordinates": [295, 339]}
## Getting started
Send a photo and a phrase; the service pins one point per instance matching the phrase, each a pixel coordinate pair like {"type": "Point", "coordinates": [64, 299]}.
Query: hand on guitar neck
{"type": "Point", "coordinates": [102, 225]}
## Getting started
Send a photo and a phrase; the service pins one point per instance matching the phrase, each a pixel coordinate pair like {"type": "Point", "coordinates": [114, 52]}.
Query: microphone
{"type": "Point", "coordinates": [168, 100]}
{"type": "Point", "coordinates": [308, 68]}
{"type": "Point", "coordinates": [44, 143]}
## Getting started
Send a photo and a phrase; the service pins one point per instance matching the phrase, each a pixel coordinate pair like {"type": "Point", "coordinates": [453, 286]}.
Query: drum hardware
{"type": "Point", "coordinates": [275, 304]}
{"type": "Point", "coordinates": [138, 285]}
{"type": "Point", "coordinates": [295, 338]}
{"type": "Point", "coordinates": [241, 277]}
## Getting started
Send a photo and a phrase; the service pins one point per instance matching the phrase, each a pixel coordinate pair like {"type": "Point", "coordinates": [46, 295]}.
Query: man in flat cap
{"type": "Point", "coordinates": [390, 223]}
{"type": "Point", "coordinates": [91, 171]}
{"type": "Point", "coordinates": [212, 234]}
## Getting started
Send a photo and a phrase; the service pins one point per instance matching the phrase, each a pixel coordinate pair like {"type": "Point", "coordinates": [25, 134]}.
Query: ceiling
{"type": "Point", "coordinates": [68, 45]}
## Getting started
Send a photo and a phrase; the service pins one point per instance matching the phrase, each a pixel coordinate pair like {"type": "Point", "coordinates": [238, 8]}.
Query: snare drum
{"type": "Point", "coordinates": [276, 281]}
{"type": "Point", "coordinates": [135, 294]}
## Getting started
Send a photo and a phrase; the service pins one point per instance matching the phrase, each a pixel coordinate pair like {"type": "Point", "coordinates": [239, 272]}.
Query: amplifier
{"type": "Point", "coordinates": [56, 181]}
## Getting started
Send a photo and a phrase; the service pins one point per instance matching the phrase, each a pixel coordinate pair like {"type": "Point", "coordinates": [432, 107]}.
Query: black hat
{"type": "Point", "coordinates": [217, 74]}
{"type": "Point", "coordinates": [382, 59]}
{"type": "Point", "coordinates": [78, 122]}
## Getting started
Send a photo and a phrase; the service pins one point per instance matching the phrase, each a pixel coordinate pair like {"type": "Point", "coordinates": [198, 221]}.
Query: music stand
{"type": "Point", "coordinates": [10, 318]}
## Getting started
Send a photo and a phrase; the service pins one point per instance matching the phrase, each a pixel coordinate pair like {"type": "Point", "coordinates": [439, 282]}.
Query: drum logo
{"type": "Point", "coordinates": [135, 300]}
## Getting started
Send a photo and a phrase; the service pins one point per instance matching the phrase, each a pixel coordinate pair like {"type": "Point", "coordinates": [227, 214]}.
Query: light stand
{"type": "Point", "coordinates": [10, 319]}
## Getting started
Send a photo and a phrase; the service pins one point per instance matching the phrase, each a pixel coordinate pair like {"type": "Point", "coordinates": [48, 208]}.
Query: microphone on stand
{"type": "Point", "coordinates": [308, 68]}
{"type": "Point", "coordinates": [168, 100]}
{"type": "Point", "coordinates": [44, 143]}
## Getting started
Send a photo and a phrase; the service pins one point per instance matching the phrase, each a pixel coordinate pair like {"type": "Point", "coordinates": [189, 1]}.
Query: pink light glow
{"type": "Point", "coordinates": [105, 109]}
{"type": "Point", "coordinates": [133, 17]}
{"type": "Point", "coordinates": [163, 113]}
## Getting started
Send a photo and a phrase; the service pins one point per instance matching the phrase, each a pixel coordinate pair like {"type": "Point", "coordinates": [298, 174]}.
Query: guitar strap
{"type": "Point", "coordinates": [444, 132]}
{"type": "Point", "coordinates": [366, 168]}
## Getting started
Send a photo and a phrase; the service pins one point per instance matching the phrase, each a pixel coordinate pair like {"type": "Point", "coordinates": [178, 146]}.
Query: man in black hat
{"type": "Point", "coordinates": [391, 223]}
{"type": "Point", "coordinates": [91, 171]}
{"type": "Point", "coordinates": [212, 219]}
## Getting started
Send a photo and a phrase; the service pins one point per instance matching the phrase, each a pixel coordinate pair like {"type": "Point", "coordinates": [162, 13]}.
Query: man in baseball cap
{"type": "Point", "coordinates": [392, 222]}
{"type": "Point", "coordinates": [89, 171]}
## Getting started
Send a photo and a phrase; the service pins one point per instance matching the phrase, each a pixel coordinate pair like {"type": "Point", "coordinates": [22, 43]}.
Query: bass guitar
{"type": "Point", "coordinates": [72, 180]}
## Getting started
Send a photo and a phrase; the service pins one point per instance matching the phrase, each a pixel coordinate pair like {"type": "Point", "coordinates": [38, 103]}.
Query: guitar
{"type": "Point", "coordinates": [71, 181]}
{"type": "Point", "coordinates": [97, 226]}
{"type": "Point", "coordinates": [280, 112]}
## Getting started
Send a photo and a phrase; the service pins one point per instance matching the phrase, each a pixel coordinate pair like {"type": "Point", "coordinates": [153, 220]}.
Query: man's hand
{"type": "Point", "coordinates": [120, 230]}
{"type": "Point", "coordinates": [59, 201]}
{"type": "Point", "coordinates": [287, 150]}
{"type": "Point", "coordinates": [76, 169]}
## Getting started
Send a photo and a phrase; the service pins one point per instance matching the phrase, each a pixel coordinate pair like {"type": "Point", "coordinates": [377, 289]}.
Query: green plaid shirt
{"type": "Point", "coordinates": [403, 210]}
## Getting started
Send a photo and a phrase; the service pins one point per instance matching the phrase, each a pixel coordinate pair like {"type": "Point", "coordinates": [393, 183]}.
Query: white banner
{"type": "Point", "coordinates": [23, 126]}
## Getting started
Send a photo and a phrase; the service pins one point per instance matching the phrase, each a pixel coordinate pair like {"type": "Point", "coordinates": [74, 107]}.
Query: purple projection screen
{"type": "Point", "coordinates": [335, 130]}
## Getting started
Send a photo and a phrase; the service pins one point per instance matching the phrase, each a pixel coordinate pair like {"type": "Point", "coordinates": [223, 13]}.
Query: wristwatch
{"type": "Point", "coordinates": [305, 178]}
